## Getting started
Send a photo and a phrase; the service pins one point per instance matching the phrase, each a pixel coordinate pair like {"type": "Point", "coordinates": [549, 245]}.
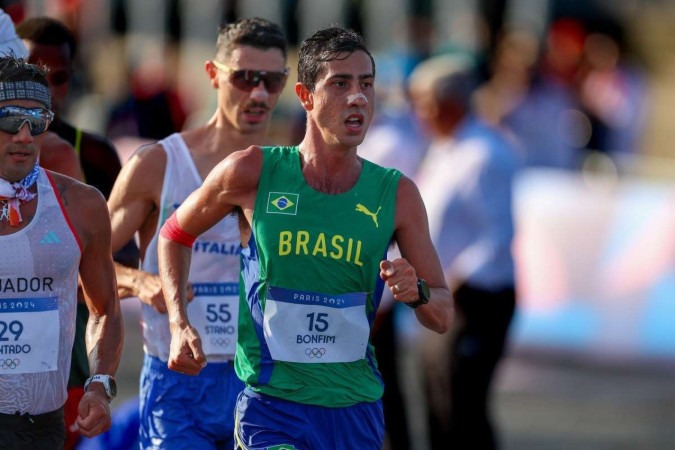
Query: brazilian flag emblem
{"type": "Point", "coordinates": [282, 203]}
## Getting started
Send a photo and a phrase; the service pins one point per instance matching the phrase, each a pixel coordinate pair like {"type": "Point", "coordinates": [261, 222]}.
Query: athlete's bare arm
{"type": "Point", "coordinates": [231, 185]}
{"type": "Point", "coordinates": [133, 206]}
{"type": "Point", "coordinates": [58, 155]}
{"type": "Point", "coordinates": [419, 260]}
{"type": "Point", "coordinates": [86, 208]}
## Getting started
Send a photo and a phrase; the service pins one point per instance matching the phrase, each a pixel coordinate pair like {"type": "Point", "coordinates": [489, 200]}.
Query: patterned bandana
{"type": "Point", "coordinates": [12, 195]}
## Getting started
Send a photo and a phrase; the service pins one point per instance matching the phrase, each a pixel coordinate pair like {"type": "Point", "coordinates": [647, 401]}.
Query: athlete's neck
{"type": "Point", "coordinates": [330, 171]}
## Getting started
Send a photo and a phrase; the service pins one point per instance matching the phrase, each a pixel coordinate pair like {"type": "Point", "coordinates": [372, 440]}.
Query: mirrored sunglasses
{"type": "Point", "coordinates": [12, 118]}
{"type": "Point", "coordinates": [247, 80]}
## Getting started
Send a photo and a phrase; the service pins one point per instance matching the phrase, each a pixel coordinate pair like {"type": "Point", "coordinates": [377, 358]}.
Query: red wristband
{"type": "Point", "coordinates": [171, 230]}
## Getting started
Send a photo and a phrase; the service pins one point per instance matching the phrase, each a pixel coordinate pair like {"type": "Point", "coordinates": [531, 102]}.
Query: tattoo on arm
{"type": "Point", "coordinates": [63, 189]}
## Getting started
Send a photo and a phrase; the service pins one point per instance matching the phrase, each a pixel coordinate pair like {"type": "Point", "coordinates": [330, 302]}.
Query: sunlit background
{"type": "Point", "coordinates": [592, 354]}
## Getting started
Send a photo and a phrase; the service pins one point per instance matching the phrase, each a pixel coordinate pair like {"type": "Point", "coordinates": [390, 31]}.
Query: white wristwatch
{"type": "Point", "coordinates": [108, 383]}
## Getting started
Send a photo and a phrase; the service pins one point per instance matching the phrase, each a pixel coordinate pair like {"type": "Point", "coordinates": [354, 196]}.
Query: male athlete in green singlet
{"type": "Point", "coordinates": [316, 222]}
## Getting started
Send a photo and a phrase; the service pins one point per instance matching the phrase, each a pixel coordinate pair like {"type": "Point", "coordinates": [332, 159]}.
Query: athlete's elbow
{"type": "Point", "coordinates": [442, 321]}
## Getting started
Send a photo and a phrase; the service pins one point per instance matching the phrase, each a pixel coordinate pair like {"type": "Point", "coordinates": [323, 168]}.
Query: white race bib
{"type": "Point", "coordinates": [214, 313]}
{"type": "Point", "coordinates": [309, 327]}
{"type": "Point", "coordinates": [29, 335]}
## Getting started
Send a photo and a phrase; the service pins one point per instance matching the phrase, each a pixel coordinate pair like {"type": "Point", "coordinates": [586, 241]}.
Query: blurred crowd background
{"type": "Point", "coordinates": [585, 86]}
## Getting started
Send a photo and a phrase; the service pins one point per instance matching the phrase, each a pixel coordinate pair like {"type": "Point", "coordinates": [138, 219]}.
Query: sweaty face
{"type": "Point", "coordinates": [58, 60]}
{"type": "Point", "coordinates": [344, 99]}
{"type": "Point", "coordinates": [18, 152]}
{"type": "Point", "coordinates": [248, 109]}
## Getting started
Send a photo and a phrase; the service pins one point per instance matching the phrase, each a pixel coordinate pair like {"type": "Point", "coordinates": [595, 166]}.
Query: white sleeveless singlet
{"type": "Point", "coordinates": [38, 298]}
{"type": "Point", "coordinates": [214, 272]}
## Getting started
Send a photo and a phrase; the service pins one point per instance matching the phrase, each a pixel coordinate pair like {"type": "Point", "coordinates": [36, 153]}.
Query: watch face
{"type": "Point", "coordinates": [108, 383]}
{"type": "Point", "coordinates": [113, 387]}
{"type": "Point", "coordinates": [424, 291]}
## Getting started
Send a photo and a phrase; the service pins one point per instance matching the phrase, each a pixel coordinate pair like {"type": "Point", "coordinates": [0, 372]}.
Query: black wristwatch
{"type": "Point", "coordinates": [422, 292]}
{"type": "Point", "coordinates": [108, 383]}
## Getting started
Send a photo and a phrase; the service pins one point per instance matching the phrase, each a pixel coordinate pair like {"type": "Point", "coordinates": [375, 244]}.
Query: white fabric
{"type": "Point", "coordinates": [214, 272]}
{"type": "Point", "coordinates": [9, 41]}
{"type": "Point", "coordinates": [298, 330]}
{"type": "Point", "coordinates": [38, 298]}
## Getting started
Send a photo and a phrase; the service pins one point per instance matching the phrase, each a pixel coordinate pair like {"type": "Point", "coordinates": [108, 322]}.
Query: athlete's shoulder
{"type": "Point", "coordinates": [63, 183]}
{"type": "Point", "coordinates": [84, 203]}
{"type": "Point", "coordinates": [380, 175]}
{"type": "Point", "coordinates": [244, 162]}
{"type": "Point", "coordinates": [148, 159]}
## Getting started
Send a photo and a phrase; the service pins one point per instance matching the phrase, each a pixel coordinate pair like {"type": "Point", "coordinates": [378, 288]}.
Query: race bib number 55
{"type": "Point", "coordinates": [214, 313]}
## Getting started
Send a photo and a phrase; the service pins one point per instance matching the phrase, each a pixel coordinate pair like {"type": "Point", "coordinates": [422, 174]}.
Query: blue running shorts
{"type": "Point", "coordinates": [269, 423]}
{"type": "Point", "coordinates": [187, 412]}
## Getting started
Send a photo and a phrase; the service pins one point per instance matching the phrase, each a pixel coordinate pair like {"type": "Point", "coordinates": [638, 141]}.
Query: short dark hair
{"type": "Point", "coordinates": [254, 32]}
{"type": "Point", "coordinates": [47, 31]}
{"type": "Point", "coordinates": [14, 68]}
{"type": "Point", "coordinates": [327, 45]}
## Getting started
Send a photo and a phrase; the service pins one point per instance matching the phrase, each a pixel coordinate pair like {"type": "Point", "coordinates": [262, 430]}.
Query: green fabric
{"type": "Point", "coordinates": [329, 244]}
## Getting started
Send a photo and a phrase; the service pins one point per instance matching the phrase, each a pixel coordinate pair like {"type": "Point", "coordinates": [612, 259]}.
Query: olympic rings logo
{"type": "Point", "coordinates": [315, 352]}
{"type": "Point", "coordinates": [9, 363]}
{"type": "Point", "coordinates": [220, 342]}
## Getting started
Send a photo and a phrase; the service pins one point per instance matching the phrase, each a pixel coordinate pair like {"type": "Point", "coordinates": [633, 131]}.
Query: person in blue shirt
{"type": "Point", "coordinates": [465, 180]}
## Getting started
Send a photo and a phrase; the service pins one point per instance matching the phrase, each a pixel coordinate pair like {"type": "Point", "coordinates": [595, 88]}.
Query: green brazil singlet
{"type": "Point", "coordinates": [310, 275]}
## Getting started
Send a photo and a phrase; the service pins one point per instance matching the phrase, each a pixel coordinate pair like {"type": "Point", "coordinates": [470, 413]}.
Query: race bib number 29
{"type": "Point", "coordinates": [29, 335]}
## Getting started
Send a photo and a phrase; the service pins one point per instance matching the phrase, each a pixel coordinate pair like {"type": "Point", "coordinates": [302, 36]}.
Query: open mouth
{"type": "Point", "coordinates": [354, 121]}
{"type": "Point", "coordinates": [255, 113]}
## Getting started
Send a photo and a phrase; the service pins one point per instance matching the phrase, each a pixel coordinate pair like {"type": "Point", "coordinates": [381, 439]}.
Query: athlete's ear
{"type": "Point", "coordinates": [212, 72]}
{"type": "Point", "coordinates": [305, 96]}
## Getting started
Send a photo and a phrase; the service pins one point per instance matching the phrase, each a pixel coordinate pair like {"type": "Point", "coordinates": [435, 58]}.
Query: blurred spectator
{"type": "Point", "coordinates": [52, 44]}
{"type": "Point", "coordinates": [563, 50]}
{"type": "Point", "coordinates": [152, 108]}
{"type": "Point", "coordinates": [536, 108]}
{"type": "Point", "coordinates": [466, 182]}
{"type": "Point", "coordinates": [593, 59]}
{"type": "Point", "coordinates": [612, 89]}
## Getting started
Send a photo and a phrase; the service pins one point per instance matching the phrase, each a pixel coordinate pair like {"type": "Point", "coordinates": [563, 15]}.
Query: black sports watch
{"type": "Point", "coordinates": [422, 292]}
{"type": "Point", "coordinates": [108, 383]}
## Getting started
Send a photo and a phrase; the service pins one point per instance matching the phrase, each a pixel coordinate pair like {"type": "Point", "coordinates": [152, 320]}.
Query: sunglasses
{"type": "Point", "coordinates": [12, 119]}
{"type": "Point", "coordinates": [247, 80]}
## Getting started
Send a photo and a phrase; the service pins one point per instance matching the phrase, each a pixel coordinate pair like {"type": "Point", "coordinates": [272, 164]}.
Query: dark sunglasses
{"type": "Point", "coordinates": [12, 119]}
{"type": "Point", "coordinates": [247, 80]}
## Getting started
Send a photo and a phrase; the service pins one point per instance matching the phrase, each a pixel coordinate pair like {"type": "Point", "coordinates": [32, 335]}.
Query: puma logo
{"type": "Point", "coordinates": [364, 210]}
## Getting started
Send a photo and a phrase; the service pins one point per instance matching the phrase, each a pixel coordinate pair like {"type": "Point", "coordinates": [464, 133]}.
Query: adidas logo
{"type": "Point", "coordinates": [50, 238]}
